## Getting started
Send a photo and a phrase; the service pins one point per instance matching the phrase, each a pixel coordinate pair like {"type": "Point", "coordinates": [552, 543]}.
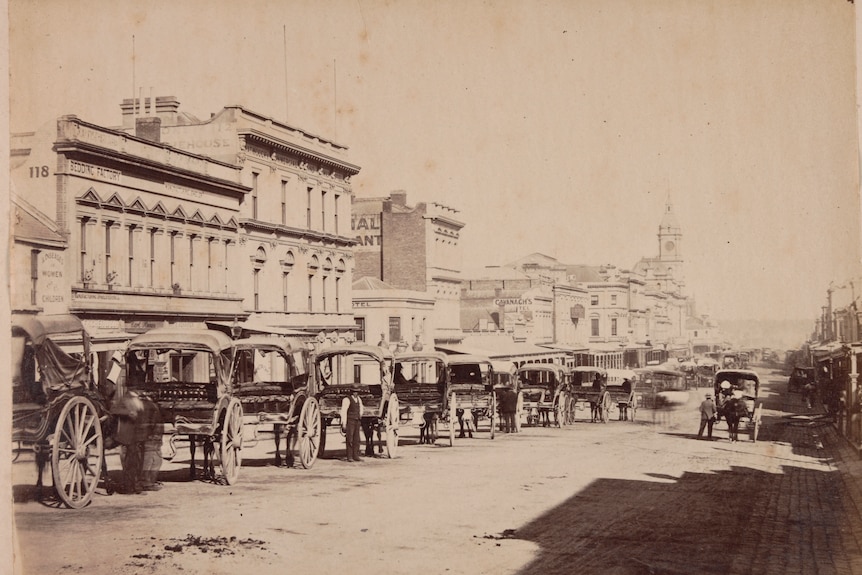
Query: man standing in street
{"type": "Point", "coordinates": [351, 416]}
{"type": "Point", "coordinates": [707, 416]}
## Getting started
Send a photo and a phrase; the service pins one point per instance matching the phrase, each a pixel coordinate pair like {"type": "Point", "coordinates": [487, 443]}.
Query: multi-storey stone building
{"type": "Point", "coordinates": [413, 248]}
{"type": "Point", "coordinates": [293, 224]}
{"type": "Point", "coordinates": [152, 232]}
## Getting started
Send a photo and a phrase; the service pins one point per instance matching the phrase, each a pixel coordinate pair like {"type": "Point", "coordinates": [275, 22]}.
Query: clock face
{"type": "Point", "coordinates": [669, 246]}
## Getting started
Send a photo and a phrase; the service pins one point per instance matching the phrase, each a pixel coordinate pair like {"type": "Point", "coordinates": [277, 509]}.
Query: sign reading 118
{"type": "Point", "coordinates": [39, 172]}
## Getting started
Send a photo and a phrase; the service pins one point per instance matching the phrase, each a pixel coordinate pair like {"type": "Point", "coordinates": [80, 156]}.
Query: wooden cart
{"type": "Point", "coordinates": [187, 373]}
{"type": "Point", "coordinates": [56, 409]}
{"type": "Point", "coordinates": [338, 370]}
{"type": "Point", "coordinates": [271, 383]}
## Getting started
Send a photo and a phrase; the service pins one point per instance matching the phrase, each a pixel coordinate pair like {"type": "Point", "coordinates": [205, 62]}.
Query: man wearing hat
{"type": "Point", "coordinates": [707, 416]}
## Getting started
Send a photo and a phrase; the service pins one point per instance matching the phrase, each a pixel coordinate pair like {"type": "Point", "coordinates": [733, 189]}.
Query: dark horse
{"type": "Point", "coordinates": [733, 410]}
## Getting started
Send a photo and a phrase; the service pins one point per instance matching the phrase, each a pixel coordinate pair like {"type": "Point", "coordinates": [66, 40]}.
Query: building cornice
{"type": "Point", "coordinates": [254, 225]}
{"type": "Point", "coordinates": [82, 151]}
{"type": "Point", "coordinates": [301, 152]}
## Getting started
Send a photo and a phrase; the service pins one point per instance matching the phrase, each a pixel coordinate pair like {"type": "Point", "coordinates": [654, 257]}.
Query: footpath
{"type": "Point", "coordinates": [807, 519]}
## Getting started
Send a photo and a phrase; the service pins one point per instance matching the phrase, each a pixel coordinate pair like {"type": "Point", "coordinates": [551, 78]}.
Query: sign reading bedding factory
{"type": "Point", "coordinates": [514, 303]}
{"type": "Point", "coordinates": [366, 230]}
{"type": "Point", "coordinates": [91, 171]}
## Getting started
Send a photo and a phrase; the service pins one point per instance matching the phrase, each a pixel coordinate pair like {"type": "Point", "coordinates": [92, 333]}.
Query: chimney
{"type": "Point", "coordinates": [149, 129]}
{"type": "Point", "coordinates": [165, 107]}
{"type": "Point", "coordinates": [399, 197]}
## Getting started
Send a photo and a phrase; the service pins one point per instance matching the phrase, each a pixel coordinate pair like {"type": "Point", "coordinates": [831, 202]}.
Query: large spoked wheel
{"type": "Point", "coordinates": [605, 407]}
{"type": "Point", "coordinates": [309, 433]}
{"type": "Point", "coordinates": [560, 410]}
{"type": "Point", "coordinates": [392, 416]}
{"type": "Point", "coordinates": [230, 448]}
{"type": "Point", "coordinates": [76, 452]}
{"type": "Point", "coordinates": [571, 410]}
{"type": "Point", "coordinates": [452, 419]}
{"type": "Point", "coordinates": [755, 423]}
{"type": "Point", "coordinates": [519, 411]}
{"type": "Point", "coordinates": [493, 414]}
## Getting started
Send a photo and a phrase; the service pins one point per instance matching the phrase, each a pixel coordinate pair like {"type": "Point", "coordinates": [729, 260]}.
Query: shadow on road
{"type": "Point", "coordinates": [722, 522]}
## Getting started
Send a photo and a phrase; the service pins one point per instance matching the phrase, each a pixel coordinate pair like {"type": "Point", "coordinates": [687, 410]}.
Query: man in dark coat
{"type": "Point", "coordinates": [707, 416]}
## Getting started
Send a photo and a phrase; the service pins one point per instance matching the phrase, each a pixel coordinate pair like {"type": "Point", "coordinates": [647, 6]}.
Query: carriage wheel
{"type": "Point", "coordinates": [519, 410]}
{"type": "Point", "coordinates": [605, 408]}
{"type": "Point", "coordinates": [230, 449]}
{"type": "Point", "coordinates": [452, 418]}
{"type": "Point", "coordinates": [392, 415]}
{"type": "Point", "coordinates": [755, 428]}
{"type": "Point", "coordinates": [572, 411]}
{"type": "Point", "coordinates": [493, 414]}
{"type": "Point", "coordinates": [308, 432]}
{"type": "Point", "coordinates": [77, 452]}
{"type": "Point", "coordinates": [560, 409]}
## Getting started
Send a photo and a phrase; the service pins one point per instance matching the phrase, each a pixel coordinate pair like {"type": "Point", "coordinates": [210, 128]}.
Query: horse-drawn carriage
{"type": "Point", "coordinates": [742, 387]}
{"type": "Point", "coordinates": [56, 409]}
{"type": "Point", "coordinates": [543, 393]}
{"type": "Point", "coordinates": [660, 387]}
{"type": "Point", "coordinates": [422, 386]}
{"type": "Point", "coordinates": [271, 383]}
{"type": "Point", "coordinates": [622, 389]}
{"type": "Point", "coordinates": [187, 374]}
{"type": "Point", "coordinates": [587, 388]}
{"type": "Point", "coordinates": [472, 395]}
{"type": "Point", "coordinates": [337, 371]}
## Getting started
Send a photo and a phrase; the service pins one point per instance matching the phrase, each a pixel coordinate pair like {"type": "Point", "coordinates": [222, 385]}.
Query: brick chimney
{"type": "Point", "coordinates": [149, 129]}
{"type": "Point", "coordinates": [399, 197]}
{"type": "Point", "coordinates": [165, 107]}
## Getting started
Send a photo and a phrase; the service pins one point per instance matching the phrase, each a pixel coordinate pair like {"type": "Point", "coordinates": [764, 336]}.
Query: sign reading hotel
{"type": "Point", "coordinates": [366, 231]}
{"type": "Point", "coordinates": [510, 304]}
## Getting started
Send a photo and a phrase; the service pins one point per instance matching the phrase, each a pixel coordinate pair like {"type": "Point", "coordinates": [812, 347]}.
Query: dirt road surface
{"type": "Point", "coordinates": [621, 498]}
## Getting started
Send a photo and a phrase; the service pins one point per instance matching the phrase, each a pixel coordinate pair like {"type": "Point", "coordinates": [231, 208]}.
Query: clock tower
{"type": "Point", "coordinates": [670, 243]}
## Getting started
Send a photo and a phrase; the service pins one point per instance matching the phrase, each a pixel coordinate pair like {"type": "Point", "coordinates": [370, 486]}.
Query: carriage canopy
{"type": "Point", "coordinates": [39, 363]}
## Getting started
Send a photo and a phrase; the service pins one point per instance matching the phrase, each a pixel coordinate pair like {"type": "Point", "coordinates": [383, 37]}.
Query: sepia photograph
{"type": "Point", "coordinates": [509, 287]}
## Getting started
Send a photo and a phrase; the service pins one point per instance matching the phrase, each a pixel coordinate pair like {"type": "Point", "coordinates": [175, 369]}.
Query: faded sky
{"type": "Point", "coordinates": [558, 127]}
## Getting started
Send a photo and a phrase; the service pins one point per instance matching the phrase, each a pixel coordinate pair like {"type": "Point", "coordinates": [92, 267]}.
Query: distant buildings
{"type": "Point", "coordinates": [244, 222]}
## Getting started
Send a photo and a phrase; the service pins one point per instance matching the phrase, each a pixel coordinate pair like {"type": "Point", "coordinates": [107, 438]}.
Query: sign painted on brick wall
{"type": "Point", "coordinates": [366, 231]}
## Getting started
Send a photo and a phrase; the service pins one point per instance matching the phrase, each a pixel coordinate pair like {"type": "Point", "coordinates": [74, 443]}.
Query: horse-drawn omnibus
{"type": "Point", "coordinates": [56, 409]}
{"type": "Point", "coordinates": [660, 387]}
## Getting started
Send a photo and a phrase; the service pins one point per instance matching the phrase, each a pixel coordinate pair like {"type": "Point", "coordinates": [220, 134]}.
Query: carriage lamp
{"type": "Point", "coordinates": [235, 329]}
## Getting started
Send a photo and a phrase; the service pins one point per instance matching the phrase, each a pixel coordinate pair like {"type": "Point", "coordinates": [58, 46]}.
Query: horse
{"type": "Point", "coordinates": [208, 443]}
{"type": "Point", "coordinates": [426, 428]}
